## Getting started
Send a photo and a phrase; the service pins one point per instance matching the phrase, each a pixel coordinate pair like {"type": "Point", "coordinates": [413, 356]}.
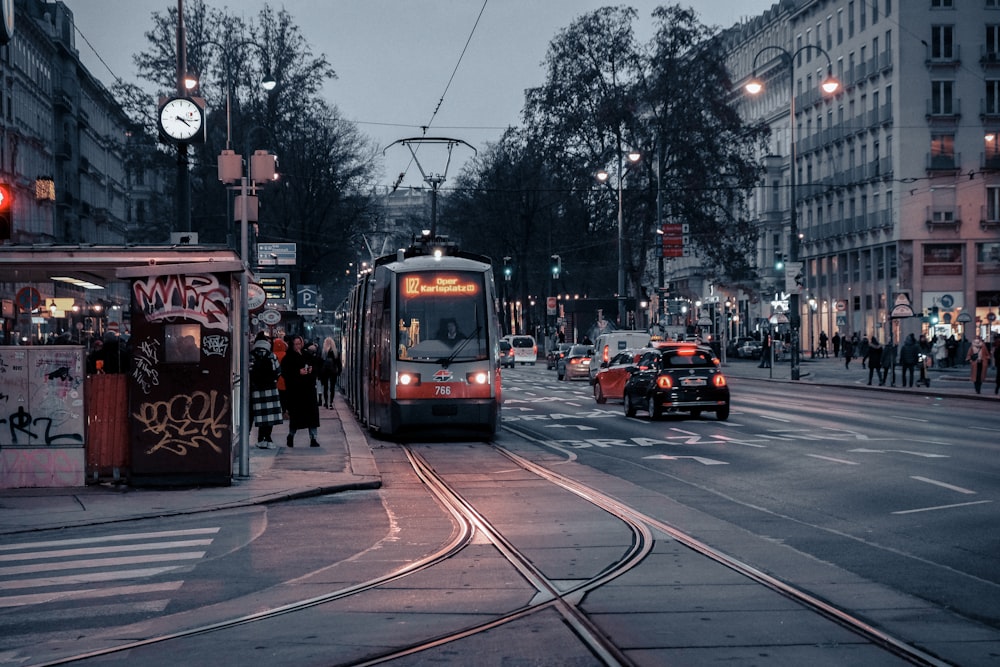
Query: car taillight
{"type": "Point", "coordinates": [719, 380]}
{"type": "Point", "coordinates": [534, 350]}
{"type": "Point", "coordinates": [605, 354]}
{"type": "Point", "coordinates": [665, 382]}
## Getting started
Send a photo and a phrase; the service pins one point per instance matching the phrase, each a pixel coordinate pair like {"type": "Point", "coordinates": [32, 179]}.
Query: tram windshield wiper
{"type": "Point", "coordinates": [447, 361]}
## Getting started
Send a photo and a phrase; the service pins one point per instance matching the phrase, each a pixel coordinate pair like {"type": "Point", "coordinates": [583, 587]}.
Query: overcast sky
{"type": "Point", "coordinates": [394, 58]}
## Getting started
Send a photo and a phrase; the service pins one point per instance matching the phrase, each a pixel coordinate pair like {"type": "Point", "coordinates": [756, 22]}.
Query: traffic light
{"type": "Point", "coordinates": [556, 266]}
{"type": "Point", "coordinates": [6, 212]}
{"type": "Point", "coordinates": [508, 270]}
{"type": "Point", "coordinates": [779, 261]}
{"type": "Point", "coordinates": [933, 316]}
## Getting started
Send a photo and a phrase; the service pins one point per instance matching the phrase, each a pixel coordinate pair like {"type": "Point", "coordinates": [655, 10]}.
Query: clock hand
{"type": "Point", "coordinates": [183, 120]}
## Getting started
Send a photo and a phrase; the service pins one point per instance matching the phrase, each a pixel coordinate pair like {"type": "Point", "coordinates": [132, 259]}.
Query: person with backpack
{"type": "Point", "coordinates": [265, 405]}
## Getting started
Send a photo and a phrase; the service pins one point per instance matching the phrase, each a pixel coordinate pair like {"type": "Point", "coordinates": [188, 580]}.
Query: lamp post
{"type": "Point", "coordinates": [829, 86]}
{"type": "Point", "coordinates": [603, 176]}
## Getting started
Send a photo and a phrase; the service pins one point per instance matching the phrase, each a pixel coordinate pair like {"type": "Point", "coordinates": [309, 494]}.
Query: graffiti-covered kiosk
{"type": "Point", "coordinates": [176, 319]}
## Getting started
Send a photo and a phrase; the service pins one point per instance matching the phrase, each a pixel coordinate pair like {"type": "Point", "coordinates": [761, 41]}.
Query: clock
{"type": "Point", "coordinates": [181, 119]}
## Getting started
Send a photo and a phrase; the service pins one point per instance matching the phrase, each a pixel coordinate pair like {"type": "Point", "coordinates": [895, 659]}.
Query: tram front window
{"type": "Point", "coordinates": [442, 316]}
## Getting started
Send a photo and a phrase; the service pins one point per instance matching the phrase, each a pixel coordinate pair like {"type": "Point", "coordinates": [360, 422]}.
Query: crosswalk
{"type": "Point", "coordinates": [107, 569]}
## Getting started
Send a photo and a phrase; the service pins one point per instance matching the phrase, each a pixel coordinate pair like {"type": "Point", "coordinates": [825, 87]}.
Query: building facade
{"type": "Point", "coordinates": [896, 184]}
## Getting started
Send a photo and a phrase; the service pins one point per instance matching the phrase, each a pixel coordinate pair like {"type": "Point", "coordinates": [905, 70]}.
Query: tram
{"type": "Point", "coordinates": [421, 342]}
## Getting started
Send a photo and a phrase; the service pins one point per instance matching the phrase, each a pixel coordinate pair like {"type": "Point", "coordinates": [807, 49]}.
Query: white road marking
{"type": "Point", "coordinates": [943, 507]}
{"type": "Point", "coordinates": [700, 459]}
{"type": "Point", "coordinates": [830, 458]}
{"type": "Point", "coordinates": [943, 485]}
{"type": "Point", "coordinates": [925, 455]}
{"type": "Point", "coordinates": [104, 539]}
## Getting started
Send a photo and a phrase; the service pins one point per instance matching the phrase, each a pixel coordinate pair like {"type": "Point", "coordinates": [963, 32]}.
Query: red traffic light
{"type": "Point", "coordinates": [6, 212]}
{"type": "Point", "coordinates": [6, 200]}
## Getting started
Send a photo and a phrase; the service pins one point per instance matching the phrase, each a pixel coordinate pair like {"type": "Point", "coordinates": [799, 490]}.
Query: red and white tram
{"type": "Point", "coordinates": [422, 349]}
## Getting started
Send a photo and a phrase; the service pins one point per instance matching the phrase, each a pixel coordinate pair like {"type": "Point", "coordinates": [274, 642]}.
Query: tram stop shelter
{"type": "Point", "coordinates": [162, 411]}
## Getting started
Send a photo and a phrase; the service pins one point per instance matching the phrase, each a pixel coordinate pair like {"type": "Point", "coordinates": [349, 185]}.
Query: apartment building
{"type": "Point", "coordinates": [896, 175]}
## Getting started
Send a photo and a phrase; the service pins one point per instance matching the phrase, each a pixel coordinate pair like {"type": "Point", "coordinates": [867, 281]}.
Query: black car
{"type": "Point", "coordinates": [506, 354]}
{"type": "Point", "coordinates": [555, 354]}
{"type": "Point", "coordinates": [678, 378]}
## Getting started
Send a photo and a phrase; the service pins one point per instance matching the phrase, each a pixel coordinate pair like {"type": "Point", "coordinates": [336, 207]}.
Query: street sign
{"type": "Point", "coordinates": [276, 254]}
{"type": "Point", "coordinates": [793, 277]}
{"type": "Point", "coordinates": [306, 300]}
{"type": "Point", "coordinates": [270, 317]}
{"type": "Point", "coordinates": [901, 308]}
{"type": "Point", "coordinates": [256, 296]}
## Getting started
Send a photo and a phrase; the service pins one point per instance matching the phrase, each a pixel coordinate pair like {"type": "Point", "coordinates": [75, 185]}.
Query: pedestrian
{"type": "Point", "coordinates": [848, 347]}
{"type": "Point", "coordinates": [874, 359]}
{"type": "Point", "coordinates": [909, 357]}
{"type": "Point", "coordinates": [300, 392]}
{"type": "Point", "coordinates": [939, 352]}
{"type": "Point", "coordinates": [280, 347]}
{"type": "Point", "coordinates": [996, 361]}
{"type": "Point", "coordinates": [265, 404]}
{"type": "Point", "coordinates": [889, 363]}
{"type": "Point", "coordinates": [95, 360]}
{"type": "Point", "coordinates": [951, 345]}
{"type": "Point", "coordinates": [836, 344]}
{"type": "Point", "coordinates": [863, 350]}
{"type": "Point", "coordinates": [329, 371]}
{"type": "Point", "coordinates": [823, 339]}
{"type": "Point", "coordinates": [765, 351]}
{"type": "Point", "coordinates": [978, 358]}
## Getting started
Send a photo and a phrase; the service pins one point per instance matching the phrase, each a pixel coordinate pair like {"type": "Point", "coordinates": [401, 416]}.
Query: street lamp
{"type": "Point", "coordinates": [603, 176]}
{"type": "Point", "coordinates": [829, 86]}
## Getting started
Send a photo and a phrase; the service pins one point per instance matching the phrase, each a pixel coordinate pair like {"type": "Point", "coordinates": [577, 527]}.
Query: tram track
{"type": "Point", "coordinates": [553, 592]}
{"type": "Point", "coordinates": [800, 596]}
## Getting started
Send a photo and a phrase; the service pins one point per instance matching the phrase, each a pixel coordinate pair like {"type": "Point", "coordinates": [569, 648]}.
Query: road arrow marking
{"type": "Point", "coordinates": [700, 459]}
{"type": "Point", "coordinates": [576, 426]}
{"type": "Point", "coordinates": [925, 455]}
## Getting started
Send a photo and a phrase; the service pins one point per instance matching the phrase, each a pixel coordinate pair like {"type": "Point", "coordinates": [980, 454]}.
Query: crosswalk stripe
{"type": "Point", "coordinates": [89, 578]}
{"type": "Point", "coordinates": [97, 562]}
{"type": "Point", "coordinates": [90, 551]}
{"type": "Point", "coordinates": [104, 539]}
{"type": "Point", "coordinates": [86, 593]}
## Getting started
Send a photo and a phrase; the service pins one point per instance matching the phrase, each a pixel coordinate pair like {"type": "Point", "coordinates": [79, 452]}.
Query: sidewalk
{"type": "Point", "coordinates": [831, 372]}
{"type": "Point", "coordinates": [343, 462]}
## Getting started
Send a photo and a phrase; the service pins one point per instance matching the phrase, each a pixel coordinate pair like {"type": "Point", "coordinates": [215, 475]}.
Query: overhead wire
{"type": "Point", "coordinates": [447, 86]}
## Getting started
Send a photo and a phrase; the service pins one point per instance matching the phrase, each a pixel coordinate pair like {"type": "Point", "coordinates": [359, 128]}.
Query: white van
{"type": "Point", "coordinates": [524, 347]}
{"type": "Point", "coordinates": [608, 345]}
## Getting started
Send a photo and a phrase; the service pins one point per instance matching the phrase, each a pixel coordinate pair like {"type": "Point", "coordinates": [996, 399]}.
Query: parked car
{"type": "Point", "coordinates": [555, 354]}
{"type": "Point", "coordinates": [750, 349]}
{"type": "Point", "coordinates": [610, 379]}
{"type": "Point", "coordinates": [576, 363]}
{"type": "Point", "coordinates": [682, 378]}
{"type": "Point", "coordinates": [525, 349]}
{"type": "Point", "coordinates": [506, 354]}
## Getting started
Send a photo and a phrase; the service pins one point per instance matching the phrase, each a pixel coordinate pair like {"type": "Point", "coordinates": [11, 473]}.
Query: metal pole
{"type": "Point", "coordinates": [183, 176]}
{"type": "Point", "coordinates": [242, 336]}
{"type": "Point", "coordinates": [795, 316]}
{"type": "Point", "coordinates": [659, 226]}
{"type": "Point", "coordinates": [621, 246]}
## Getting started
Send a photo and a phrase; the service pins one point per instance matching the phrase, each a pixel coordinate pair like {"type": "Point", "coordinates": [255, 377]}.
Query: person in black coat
{"type": "Point", "coordinates": [300, 371]}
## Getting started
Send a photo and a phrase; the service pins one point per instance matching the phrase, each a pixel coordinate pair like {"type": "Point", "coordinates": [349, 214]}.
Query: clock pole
{"type": "Point", "coordinates": [183, 175]}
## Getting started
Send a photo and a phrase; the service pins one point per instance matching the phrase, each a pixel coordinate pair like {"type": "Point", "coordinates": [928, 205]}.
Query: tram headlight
{"type": "Point", "coordinates": [408, 379]}
{"type": "Point", "coordinates": [478, 377]}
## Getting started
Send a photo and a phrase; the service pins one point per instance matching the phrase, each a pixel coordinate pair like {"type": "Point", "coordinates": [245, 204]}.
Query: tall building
{"type": "Point", "coordinates": [62, 135]}
{"type": "Point", "coordinates": [896, 183]}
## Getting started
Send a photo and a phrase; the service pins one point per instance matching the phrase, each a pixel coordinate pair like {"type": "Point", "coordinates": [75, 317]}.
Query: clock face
{"type": "Point", "coordinates": [180, 119]}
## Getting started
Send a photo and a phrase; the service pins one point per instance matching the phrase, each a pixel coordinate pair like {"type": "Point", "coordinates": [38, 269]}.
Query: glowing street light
{"type": "Point", "coordinates": [603, 176]}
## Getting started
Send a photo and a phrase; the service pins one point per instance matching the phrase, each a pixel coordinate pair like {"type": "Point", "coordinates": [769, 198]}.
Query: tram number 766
{"type": "Point", "coordinates": [444, 390]}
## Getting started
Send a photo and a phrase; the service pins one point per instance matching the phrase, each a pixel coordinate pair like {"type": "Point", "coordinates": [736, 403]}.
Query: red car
{"type": "Point", "coordinates": [610, 379]}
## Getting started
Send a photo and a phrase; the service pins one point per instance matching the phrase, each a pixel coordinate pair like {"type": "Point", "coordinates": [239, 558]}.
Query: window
{"type": "Point", "coordinates": [993, 204]}
{"type": "Point", "coordinates": [942, 4]}
{"type": "Point", "coordinates": [942, 101]}
{"type": "Point", "coordinates": [988, 258]}
{"type": "Point", "coordinates": [942, 151]}
{"type": "Point", "coordinates": [992, 42]}
{"type": "Point", "coordinates": [942, 259]}
{"type": "Point", "coordinates": [992, 97]}
{"type": "Point", "coordinates": [942, 42]}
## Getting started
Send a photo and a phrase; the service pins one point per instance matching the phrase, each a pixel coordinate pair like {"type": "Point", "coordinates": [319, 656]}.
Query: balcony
{"type": "Point", "coordinates": [944, 163]}
{"type": "Point", "coordinates": [989, 60]}
{"type": "Point", "coordinates": [945, 112]}
{"type": "Point", "coordinates": [939, 217]}
{"type": "Point", "coordinates": [988, 220]}
{"type": "Point", "coordinates": [989, 161]}
{"type": "Point", "coordinates": [942, 60]}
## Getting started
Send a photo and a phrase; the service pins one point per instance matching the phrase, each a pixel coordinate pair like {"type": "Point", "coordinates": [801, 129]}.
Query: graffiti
{"type": "Point", "coordinates": [187, 421]}
{"type": "Point", "coordinates": [20, 423]}
{"type": "Point", "coordinates": [22, 468]}
{"type": "Point", "coordinates": [216, 346]}
{"type": "Point", "coordinates": [197, 297]}
{"type": "Point", "coordinates": [145, 359]}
